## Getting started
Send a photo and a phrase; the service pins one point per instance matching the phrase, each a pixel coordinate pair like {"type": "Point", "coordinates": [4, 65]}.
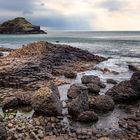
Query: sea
{"type": "Point", "coordinates": [123, 46]}
{"type": "Point", "coordinates": [120, 43]}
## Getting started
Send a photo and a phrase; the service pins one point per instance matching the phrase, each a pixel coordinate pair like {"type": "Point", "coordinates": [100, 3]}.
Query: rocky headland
{"type": "Point", "coordinates": [19, 25]}
{"type": "Point", "coordinates": [30, 80]}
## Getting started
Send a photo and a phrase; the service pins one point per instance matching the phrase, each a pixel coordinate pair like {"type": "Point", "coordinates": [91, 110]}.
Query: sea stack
{"type": "Point", "coordinates": [20, 25]}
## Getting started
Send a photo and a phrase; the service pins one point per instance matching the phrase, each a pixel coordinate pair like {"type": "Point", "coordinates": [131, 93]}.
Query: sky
{"type": "Point", "coordinates": [96, 15]}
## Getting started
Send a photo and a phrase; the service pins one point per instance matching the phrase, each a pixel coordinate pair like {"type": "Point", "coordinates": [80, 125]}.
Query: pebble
{"type": "Point", "coordinates": [11, 117]}
{"type": "Point", "coordinates": [10, 125]}
{"type": "Point", "coordinates": [16, 136]}
{"type": "Point", "coordinates": [53, 119]}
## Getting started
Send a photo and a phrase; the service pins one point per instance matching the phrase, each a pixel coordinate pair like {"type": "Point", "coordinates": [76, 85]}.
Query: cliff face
{"type": "Point", "coordinates": [19, 26]}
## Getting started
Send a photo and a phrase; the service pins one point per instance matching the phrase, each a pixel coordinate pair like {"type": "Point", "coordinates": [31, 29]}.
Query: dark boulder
{"type": "Point", "coordinates": [126, 91]}
{"type": "Point", "coordinates": [70, 74]}
{"type": "Point", "coordinates": [46, 101]}
{"type": "Point", "coordinates": [78, 105]}
{"type": "Point", "coordinates": [88, 116]}
{"type": "Point", "coordinates": [133, 68]}
{"type": "Point", "coordinates": [93, 88]}
{"type": "Point", "coordinates": [1, 54]}
{"type": "Point", "coordinates": [135, 81]}
{"type": "Point", "coordinates": [1, 118]}
{"type": "Point", "coordinates": [24, 98]}
{"type": "Point", "coordinates": [102, 85]}
{"type": "Point", "coordinates": [103, 103]}
{"type": "Point", "coordinates": [93, 83]}
{"type": "Point", "coordinates": [9, 102]}
{"type": "Point", "coordinates": [123, 92]}
{"type": "Point", "coordinates": [21, 98]}
{"type": "Point", "coordinates": [90, 79]}
{"type": "Point", "coordinates": [75, 90]}
{"type": "Point", "coordinates": [111, 81]}
{"type": "Point", "coordinates": [3, 132]}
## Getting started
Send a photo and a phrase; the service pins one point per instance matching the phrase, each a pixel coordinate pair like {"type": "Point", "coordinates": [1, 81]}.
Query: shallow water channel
{"type": "Point", "coordinates": [109, 120]}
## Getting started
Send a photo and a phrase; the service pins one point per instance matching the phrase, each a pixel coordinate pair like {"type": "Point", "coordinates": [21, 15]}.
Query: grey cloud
{"type": "Point", "coordinates": [113, 5]}
{"type": "Point", "coordinates": [25, 6]}
{"type": "Point", "coordinates": [31, 10]}
{"type": "Point", "coordinates": [42, 4]}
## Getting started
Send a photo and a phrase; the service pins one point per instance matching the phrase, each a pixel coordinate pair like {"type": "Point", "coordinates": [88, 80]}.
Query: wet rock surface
{"type": "Point", "coordinates": [93, 83]}
{"type": "Point", "coordinates": [11, 98]}
{"type": "Point", "coordinates": [28, 66]}
{"type": "Point", "coordinates": [78, 105]}
{"type": "Point", "coordinates": [9, 102]}
{"type": "Point", "coordinates": [88, 116]}
{"type": "Point", "coordinates": [70, 74]}
{"type": "Point", "coordinates": [102, 103]}
{"type": "Point", "coordinates": [43, 127]}
{"type": "Point", "coordinates": [46, 100]}
{"type": "Point", "coordinates": [25, 77]}
{"type": "Point", "coordinates": [111, 81]}
{"type": "Point", "coordinates": [75, 90]}
{"type": "Point", "coordinates": [131, 125]}
{"type": "Point", "coordinates": [126, 91]}
{"type": "Point", "coordinates": [93, 89]}
{"type": "Point", "coordinates": [133, 68]}
{"type": "Point", "coordinates": [24, 128]}
{"type": "Point", "coordinates": [90, 79]}
{"type": "Point", "coordinates": [135, 82]}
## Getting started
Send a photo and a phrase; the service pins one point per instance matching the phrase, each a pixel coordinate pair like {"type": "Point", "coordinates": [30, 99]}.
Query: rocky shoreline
{"type": "Point", "coordinates": [30, 80]}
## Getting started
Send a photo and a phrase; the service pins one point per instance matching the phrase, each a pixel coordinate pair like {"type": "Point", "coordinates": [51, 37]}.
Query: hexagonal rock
{"type": "Point", "coordinates": [90, 79]}
{"type": "Point", "coordinates": [93, 88]}
{"type": "Point", "coordinates": [103, 103]}
{"type": "Point", "coordinates": [88, 116]}
{"type": "Point", "coordinates": [78, 105]}
{"type": "Point", "coordinates": [46, 101]}
{"type": "Point", "coordinates": [126, 91]}
{"type": "Point", "coordinates": [93, 83]}
{"type": "Point", "coordinates": [70, 74]}
{"type": "Point", "coordinates": [9, 102]}
{"type": "Point", "coordinates": [75, 90]}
